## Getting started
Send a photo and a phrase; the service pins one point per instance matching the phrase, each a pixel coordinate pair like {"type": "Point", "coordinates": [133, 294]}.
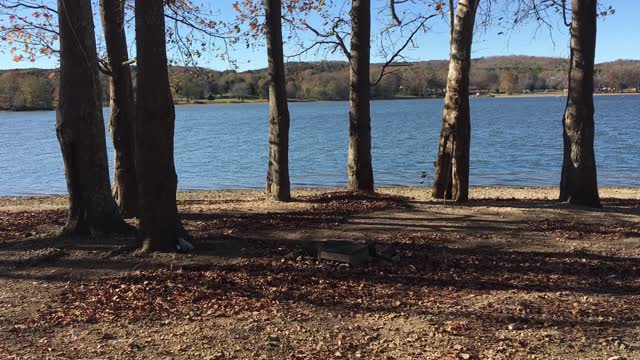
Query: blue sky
{"type": "Point", "coordinates": [617, 39]}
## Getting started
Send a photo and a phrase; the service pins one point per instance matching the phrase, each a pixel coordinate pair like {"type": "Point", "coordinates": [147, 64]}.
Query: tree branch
{"type": "Point", "coordinates": [401, 49]}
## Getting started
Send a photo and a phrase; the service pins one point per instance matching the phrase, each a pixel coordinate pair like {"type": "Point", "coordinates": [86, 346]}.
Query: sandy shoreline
{"type": "Point", "coordinates": [253, 195]}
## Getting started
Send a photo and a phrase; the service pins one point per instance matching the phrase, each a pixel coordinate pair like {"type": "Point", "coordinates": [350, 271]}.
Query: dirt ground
{"type": "Point", "coordinates": [513, 274]}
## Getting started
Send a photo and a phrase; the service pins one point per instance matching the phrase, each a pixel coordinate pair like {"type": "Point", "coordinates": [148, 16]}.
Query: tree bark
{"type": "Point", "coordinates": [578, 183]}
{"type": "Point", "coordinates": [359, 167]}
{"type": "Point", "coordinates": [80, 126]}
{"type": "Point", "coordinates": [157, 179]}
{"type": "Point", "coordinates": [122, 121]}
{"type": "Point", "coordinates": [451, 179]}
{"type": "Point", "coordinates": [278, 187]}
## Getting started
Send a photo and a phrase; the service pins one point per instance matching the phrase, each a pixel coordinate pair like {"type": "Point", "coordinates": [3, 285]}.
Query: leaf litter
{"type": "Point", "coordinates": [437, 301]}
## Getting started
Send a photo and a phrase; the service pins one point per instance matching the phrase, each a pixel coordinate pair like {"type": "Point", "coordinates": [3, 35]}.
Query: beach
{"type": "Point", "coordinates": [511, 274]}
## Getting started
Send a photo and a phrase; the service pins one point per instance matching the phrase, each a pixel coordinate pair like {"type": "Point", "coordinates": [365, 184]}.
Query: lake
{"type": "Point", "coordinates": [515, 142]}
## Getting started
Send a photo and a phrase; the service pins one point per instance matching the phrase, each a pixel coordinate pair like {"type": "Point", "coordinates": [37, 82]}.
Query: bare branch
{"type": "Point", "coordinates": [399, 51]}
{"type": "Point", "coordinates": [394, 14]}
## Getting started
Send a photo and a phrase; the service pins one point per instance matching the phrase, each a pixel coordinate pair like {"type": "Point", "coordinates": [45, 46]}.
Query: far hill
{"type": "Point", "coordinates": [328, 80]}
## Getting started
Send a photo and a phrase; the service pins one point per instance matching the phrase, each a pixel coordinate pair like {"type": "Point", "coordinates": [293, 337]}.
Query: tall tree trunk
{"type": "Point", "coordinates": [578, 184]}
{"type": "Point", "coordinates": [451, 178]}
{"type": "Point", "coordinates": [157, 179]}
{"type": "Point", "coordinates": [278, 187]}
{"type": "Point", "coordinates": [80, 126]}
{"type": "Point", "coordinates": [122, 121]}
{"type": "Point", "coordinates": [359, 168]}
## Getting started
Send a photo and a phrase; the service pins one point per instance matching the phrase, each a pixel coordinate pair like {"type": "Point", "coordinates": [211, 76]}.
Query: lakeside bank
{"type": "Point", "coordinates": [236, 101]}
{"type": "Point", "coordinates": [499, 96]}
{"type": "Point", "coordinates": [477, 193]}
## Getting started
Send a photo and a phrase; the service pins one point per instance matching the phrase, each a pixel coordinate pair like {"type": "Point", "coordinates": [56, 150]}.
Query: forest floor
{"type": "Point", "coordinates": [513, 274]}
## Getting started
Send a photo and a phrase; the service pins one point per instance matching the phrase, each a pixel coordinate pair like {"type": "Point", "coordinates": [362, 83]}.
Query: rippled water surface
{"type": "Point", "coordinates": [515, 142]}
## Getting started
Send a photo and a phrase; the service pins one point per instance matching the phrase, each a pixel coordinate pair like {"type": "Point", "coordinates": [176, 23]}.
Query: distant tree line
{"type": "Point", "coordinates": [26, 90]}
{"type": "Point", "coordinates": [329, 80]}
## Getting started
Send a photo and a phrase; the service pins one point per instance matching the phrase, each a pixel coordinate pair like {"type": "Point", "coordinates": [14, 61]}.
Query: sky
{"type": "Point", "coordinates": [618, 38]}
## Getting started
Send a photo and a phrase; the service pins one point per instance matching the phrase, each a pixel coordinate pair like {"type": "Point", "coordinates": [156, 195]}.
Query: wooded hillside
{"type": "Point", "coordinates": [328, 80]}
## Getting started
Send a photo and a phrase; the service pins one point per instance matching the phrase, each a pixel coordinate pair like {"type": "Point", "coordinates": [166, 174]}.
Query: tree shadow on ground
{"type": "Point", "coordinates": [429, 258]}
{"type": "Point", "coordinates": [554, 228]}
{"type": "Point", "coordinates": [483, 285]}
{"type": "Point", "coordinates": [332, 210]}
{"type": "Point", "coordinates": [609, 205]}
{"type": "Point", "coordinates": [245, 268]}
{"type": "Point", "coordinates": [424, 260]}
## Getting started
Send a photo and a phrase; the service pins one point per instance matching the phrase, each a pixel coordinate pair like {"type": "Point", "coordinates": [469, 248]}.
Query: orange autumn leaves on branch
{"type": "Point", "coordinates": [182, 3]}
{"type": "Point", "coordinates": [251, 13]}
{"type": "Point", "coordinates": [195, 30]}
{"type": "Point", "coordinates": [28, 29]}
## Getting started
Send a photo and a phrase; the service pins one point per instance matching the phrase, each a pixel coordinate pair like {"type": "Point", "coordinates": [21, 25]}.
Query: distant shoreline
{"type": "Point", "coordinates": [264, 101]}
{"type": "Point", "coordinates": [28, 110]}
{"type": "Point", "coordinates": [497, 96]}
{"type": "Point", "coordinates": [557, 94]}
{"type": "Point", "coordinates": [227, 101]}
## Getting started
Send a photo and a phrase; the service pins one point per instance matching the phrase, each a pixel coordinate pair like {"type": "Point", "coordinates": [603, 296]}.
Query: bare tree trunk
{"type": "Point", "coordinates": [359, 168]}
{"type": "Point", "coordinates": [80, 126]}
{"type": "Point", "coordinates": [451, 178]}
{"type": "Point", "coordinates": [122, 121]}
{"type": "Point", "coordinates": [578, 184]}
{"type": "Point", "coordinates": [157, 179]}
{"type": "Point", "coordinates": [278, 187]}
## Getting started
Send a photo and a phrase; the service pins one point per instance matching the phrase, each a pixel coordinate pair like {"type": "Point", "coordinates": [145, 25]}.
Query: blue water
{"type": "Point", "coordinates": [515, 142]}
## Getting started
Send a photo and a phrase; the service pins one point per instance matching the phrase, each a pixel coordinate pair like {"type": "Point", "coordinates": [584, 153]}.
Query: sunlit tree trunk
{"type": "Point", "coordinates": [578, 184]}
{"type": "Point", "coordinates": [451, 178]}
{"type": "Point", "coordinates": [278, 187]}
{"type": "Point", "coordinates": [122, 121]}
{"type": "Point", "coordinates": [359, 167]}
{"type": "Point", "coordinates": [80, 126]}
{"type": "Point", "coordinates": [157, 179]}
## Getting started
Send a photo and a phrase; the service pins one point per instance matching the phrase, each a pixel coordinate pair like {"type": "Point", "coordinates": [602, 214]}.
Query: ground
{"type": "Point", "coordinates": [510, 275]}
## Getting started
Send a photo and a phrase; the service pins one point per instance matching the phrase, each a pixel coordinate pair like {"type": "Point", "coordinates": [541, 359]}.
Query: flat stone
{"type": "Point", "coordinates": [514, 327]}
{"type": "Point", "coordinates": [634, 346]}
{"type": "Point", "coordinates": [389, 254]}
{"type": "Point", "coordinates": [345, 251]}
{"type": "Point", "coordinates": [184, 246]}
{"type": "Point", "coordinates": [295, 254]}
